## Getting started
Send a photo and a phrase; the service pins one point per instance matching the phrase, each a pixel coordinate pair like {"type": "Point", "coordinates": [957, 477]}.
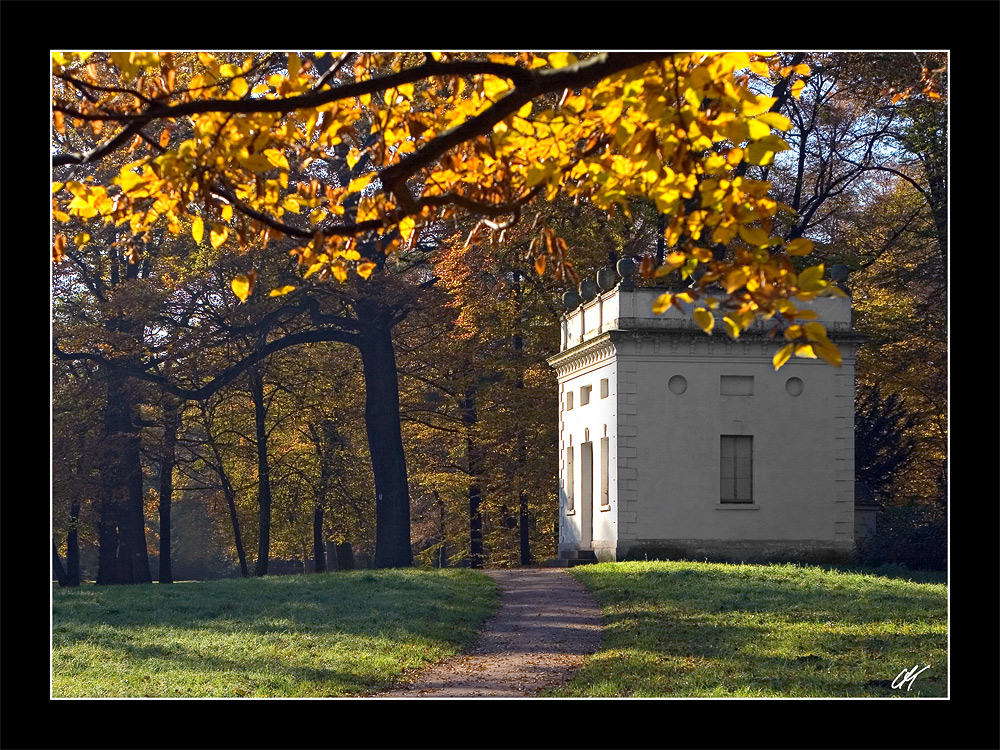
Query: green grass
{"type": "Point", "coordinates": [331, 634]}
{"type": "Point", "coordinates": [682, 629]}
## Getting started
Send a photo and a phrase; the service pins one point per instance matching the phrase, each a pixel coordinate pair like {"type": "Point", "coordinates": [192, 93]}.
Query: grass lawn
{"type": "Point", "coordinates": [328, 634]}
{"type": "Point", "coordinates": [683, 629]}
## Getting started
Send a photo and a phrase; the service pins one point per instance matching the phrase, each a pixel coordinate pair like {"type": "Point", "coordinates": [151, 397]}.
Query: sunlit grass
{"type": "Point", "coordinates": [682, 629]}
{"type": "Point", "coordinates": [330, 634]}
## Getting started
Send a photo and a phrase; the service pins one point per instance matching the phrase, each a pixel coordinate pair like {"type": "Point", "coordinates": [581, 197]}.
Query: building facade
{"type": "Point", "coordinates": [677, 444]}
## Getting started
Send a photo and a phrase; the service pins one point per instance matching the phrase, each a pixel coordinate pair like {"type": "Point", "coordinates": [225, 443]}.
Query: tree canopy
{"type": "Point", "coordinates": [237, 148]}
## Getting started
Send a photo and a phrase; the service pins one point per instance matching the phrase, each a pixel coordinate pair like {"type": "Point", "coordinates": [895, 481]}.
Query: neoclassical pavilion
{"type": "Point", "coordinates": [677, 444]}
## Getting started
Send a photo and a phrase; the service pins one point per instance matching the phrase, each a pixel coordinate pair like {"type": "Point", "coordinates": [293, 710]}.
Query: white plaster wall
{"type": "Point", "coordinates": [797, 441]}
{"type": "Point", "coordinates": [599, 417]}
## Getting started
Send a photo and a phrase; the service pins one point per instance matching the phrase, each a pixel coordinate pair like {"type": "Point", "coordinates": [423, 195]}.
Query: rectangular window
{"type": "Point", "coordinates": [587, 479]}
{"type": "Point", "coordinates": [569, 400]}
{"type": "Point", "coordinates": [604, 387]}
{"type": "Point", "coordinates": [585, 394]}
{"type": "Point", "coordinates": [736, 469]}
{"type": "Point", "coordinates": [569, 479]}
{"type": "Point", "coordinates": [605, 496]}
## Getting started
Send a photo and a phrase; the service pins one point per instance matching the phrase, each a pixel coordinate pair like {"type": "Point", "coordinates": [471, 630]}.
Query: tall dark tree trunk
{"type": "Point", "coordinates": [57, 566]}
{"type": "Point", "coordinates": [475, 527]}
{"type": "Point", "coordinates": [475, 494]}
{"type": "Point", "coordinates": [121, 469]}
{"type": "Point", "coordinates": [167, 459]}
{"type": "Point", "coordinates": [927, 136]}
{"type": "Point", "coordinates": [107, 538]}
{"type": "Point", "coordinates": [442, 553]}
{"type": "Point", "coordinates": [938, 198]}
{"type": "Point", "coordinates": [326, 440]}
{"type": "Point", "coordinates": [133, 555]}
{"type": "Point", "coordinates": [524, 525]}
{"type": "Point", "coordinates": [385, 442]}
{"type": "Point", "coordinates": [73, 546]}
{"type": "Point", "coordinates": [122, 557]}
{"type": "Point", "coordinates": [230, 493]}
{"type": "Point", "coordinates": [319, 544]}
{"type": "Point", "coordinates": [263, 471]}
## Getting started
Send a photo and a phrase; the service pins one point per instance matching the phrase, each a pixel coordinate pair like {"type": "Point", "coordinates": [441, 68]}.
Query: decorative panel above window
{"type": "Point", "coordinates": [736, 385]}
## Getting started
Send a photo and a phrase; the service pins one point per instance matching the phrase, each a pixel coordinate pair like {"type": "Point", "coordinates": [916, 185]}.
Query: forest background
{"type": "Point", "coordinates": [257, 473]}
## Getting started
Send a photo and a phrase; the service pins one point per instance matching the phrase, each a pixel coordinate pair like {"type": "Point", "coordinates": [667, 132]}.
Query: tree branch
{"type": "Point", "coordinates": [526, 88]}
{"type": "Point", "coordinates": [101, 151]}
{"type": "Point", "coordinates": [527, 85]}
{"type": "Point", "coordinates": [228, 375]}
{"type": "Point", "coordinates": [313, 99]}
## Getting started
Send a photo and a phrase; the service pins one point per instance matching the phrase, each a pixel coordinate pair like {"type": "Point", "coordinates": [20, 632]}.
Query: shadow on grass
{"type": "Point", "coordinates": [350, 631]}
{"type": "Point", "coordinates": [702, 630]}
{"type": "Point", "coordinates": [341, 602]}
{"type": "Point", "coordinates": [782, 590]}
{"type": "Point", "coordinates": [898, 572]}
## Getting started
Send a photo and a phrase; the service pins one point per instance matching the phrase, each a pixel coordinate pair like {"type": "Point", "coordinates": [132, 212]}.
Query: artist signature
{"type": "Point", "coordinates": [907, 676]}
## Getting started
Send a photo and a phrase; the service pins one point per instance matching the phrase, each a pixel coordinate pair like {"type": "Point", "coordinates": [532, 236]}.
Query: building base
{"type": "Point", "coordinates": [821, 552]}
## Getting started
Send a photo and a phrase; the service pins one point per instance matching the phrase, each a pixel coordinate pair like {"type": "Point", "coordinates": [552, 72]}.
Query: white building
{"type": "Point", "coordinates": [674, 443]}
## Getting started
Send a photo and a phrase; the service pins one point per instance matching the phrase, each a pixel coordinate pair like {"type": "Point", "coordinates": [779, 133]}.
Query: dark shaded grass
{"type": "Point", "coordinates": [290, 636]}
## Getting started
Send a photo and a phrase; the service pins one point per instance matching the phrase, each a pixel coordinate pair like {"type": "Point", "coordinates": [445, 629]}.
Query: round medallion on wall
{"type": "Point", "coordinates": [677, 384]}
{"type": "Point", "coordinates": [794, 386]}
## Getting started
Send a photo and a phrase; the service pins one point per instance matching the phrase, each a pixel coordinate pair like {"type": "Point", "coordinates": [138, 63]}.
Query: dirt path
{"type": "Point", "coordinates": [546, 624]}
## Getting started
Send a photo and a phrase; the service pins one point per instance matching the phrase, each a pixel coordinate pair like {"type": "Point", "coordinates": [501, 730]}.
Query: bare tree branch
{"type": "Point", "coordinates": [223, 379]}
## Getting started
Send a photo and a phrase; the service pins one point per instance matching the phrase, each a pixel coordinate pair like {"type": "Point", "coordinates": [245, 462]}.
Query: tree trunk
{"type": "Point", "coordinates": [326, 440]}
{"type": "Point", "coordinates": [442, 553]}
{"type": "Point", "coordinates": [170, 425]}
{"type": "Point", "coordinates": [939, 209]}
{"type": "Point", "coordinates": [73, 546]}
{"type": "Point", "coordinates": [524, 524]}
{"type": "Point", "coordinates": [230, 493]}
{"type": "Point", "coordinates": [319, 544]}
{"type": "Point", "coordinates": [57, 566]}
{"type": "Point", "coordinates": [123, 557]}
{"type": "Point", "coordinates": [263, 472]}
{"type": "Point", "coordinates": [107, 538]}
{"type": "Point", "coordinates": [475, 528]}
{"type": "Point", "coordinates": [385, 443]}
{"type": "Point", "coordinates": [475, 496]}
{"type": "Point", "coordinates": [135, 531]}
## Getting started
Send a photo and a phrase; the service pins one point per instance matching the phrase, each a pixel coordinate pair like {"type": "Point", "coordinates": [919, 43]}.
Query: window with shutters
{"type": "Point", "coordinates": [736, 470]}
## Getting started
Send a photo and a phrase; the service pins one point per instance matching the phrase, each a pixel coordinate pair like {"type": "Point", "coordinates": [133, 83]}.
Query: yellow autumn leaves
{"type": "Point", "coordinates": [243, 285]}
{"type": "Point", "coordinates": [679, 131]}
{"type": "Point", "coordinates": [751, 298]}
{"type": "Point", "coordinates": [809, 340]}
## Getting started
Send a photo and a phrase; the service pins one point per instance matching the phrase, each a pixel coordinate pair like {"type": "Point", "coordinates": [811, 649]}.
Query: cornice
{"type": "Point", "coordinates": [584, 355]}
{"type": "Point", "coordinates": [619, 342]}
